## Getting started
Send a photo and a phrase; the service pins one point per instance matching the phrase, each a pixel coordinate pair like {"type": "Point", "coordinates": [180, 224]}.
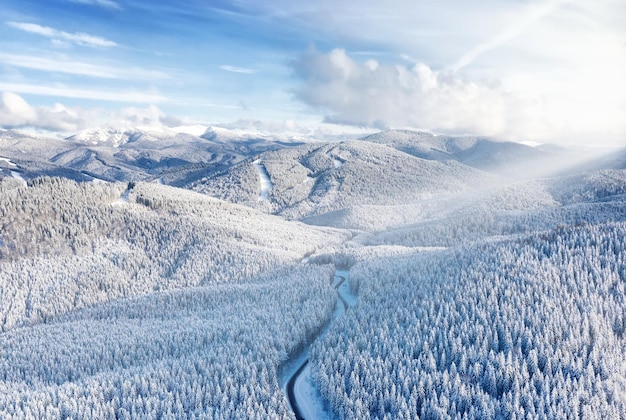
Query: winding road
{"type": "Point", "coordinates": [290, 388]}
{"type": "Point", "coordinates": [291, 396]}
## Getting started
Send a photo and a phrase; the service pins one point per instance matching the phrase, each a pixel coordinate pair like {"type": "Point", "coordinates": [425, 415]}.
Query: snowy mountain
{"type": "Point", "coordinates": [225, 135]}
{"type": "Point", "coordinates": [105, 136]}
{"type": "Point", "coordinates": [117, 136]}
{"type": "Point", "coordinates": [250, 143]}
{"type": "Point", "coordinates": [172, 155]}
{"type": "Point", "coordinates": [321, 178]}
{"type": "Point", "coordinates": [501, 157]}
{"type": "Point", "coordinates": [403, 275]}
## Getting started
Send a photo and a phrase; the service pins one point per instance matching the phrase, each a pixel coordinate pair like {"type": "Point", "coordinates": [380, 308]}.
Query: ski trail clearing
{"type": "Point", "coordinates": [264, 178]}
{"type": "Point", "coordinates": [8, 162]}
{"type": "Point", "coordinates": [18, 176]}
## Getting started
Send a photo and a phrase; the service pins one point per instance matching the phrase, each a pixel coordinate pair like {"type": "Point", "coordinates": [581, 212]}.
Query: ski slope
{"type": "Point", "coordinates": [264, 180]}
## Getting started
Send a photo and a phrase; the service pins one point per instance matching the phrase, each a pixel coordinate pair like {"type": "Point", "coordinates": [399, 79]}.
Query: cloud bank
{"type": "Point", "coordinates": [380, 95]}
{"type": "Point", "coordinates": [372, 94]}
{"type": "Point", "coordinates": [17, 113]}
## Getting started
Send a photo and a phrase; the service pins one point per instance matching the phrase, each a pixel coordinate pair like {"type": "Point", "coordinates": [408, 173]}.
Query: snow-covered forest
{"type": "Point", "coordinates": [316, 179]}
{"type": "Point", "coordinates": [65, 245]}
{"type": "Point", "coordinates": [477, 290]}
{"type": "Point", "coordinates": [513, 328]}
{"type": "Point", "coordinates": [207, 352]}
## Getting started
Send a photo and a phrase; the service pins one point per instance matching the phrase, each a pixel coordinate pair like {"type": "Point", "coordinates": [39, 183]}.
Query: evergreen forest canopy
{"type": "Point", "coordinates": [135, 285]}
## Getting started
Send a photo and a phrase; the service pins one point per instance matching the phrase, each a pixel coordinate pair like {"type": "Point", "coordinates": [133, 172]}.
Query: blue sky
{"type": "Point", "coordinates": [550, 70]}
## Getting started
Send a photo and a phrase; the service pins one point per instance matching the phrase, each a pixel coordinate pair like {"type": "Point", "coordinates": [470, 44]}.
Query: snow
{"type": "Point", "coordinates": [344, 290]}
{"type": "Point", "coordinates": [117, 136]}
{"type": "Point", "coordinates": [291, 367]}
{"type": "Point", "coordinates": [338, 163]}
{"type": "Point", "coordinates": [226, 135]}
{"type": "Point", "coordinates": [17, 175]}
{"type": "Point", "coordinates": [102, 135]}
{"type": "Point", "coordinates": [195, 130]}
{"type": "Point", "coordinates": [7, 161]}
{"type": "Point", "coordinates": [95, 180]}
{"type": "Point", "coordinates": [264, 178]}
{"type": "Point", "coordinates": [530, 143]}
{"type": "Point", "coordinates": [123, 200]}
{"type": "Point", "coordinates": [308, 397]}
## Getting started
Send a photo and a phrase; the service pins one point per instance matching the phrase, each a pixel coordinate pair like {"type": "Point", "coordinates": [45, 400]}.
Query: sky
{"type": "Point", "coordinates": [523, 70]}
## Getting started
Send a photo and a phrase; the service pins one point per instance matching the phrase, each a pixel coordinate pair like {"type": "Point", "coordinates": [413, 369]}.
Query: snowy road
{"type": "Point", "coordinates": [303, 396]}
{"type": "Point", "coordinates": [264, 179]}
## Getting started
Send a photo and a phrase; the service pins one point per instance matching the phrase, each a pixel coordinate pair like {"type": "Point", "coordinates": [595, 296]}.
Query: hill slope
{"type": "Point", "coordinates": [172, 156]}
{"type": "Point", "coordinates": [317, 179]}
{"type": "Point", "coordinates": [501, 157]}
{"type": "Point", "coordinates": [65, 245]}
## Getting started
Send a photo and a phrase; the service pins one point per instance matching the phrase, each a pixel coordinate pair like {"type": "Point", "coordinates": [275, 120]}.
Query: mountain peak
{"type": "Point", "coordinates": [109, 136]}
{"type": "Point", "coordinates": [118, 136]}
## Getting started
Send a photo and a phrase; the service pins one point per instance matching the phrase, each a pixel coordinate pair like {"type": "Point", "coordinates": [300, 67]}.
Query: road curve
{"type": "Point", "coordinates": [291, 394]}
{"type": "Point", "coordinates": [291, 397]}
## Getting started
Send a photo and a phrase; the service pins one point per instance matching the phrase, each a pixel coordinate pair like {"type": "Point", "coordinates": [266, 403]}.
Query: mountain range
{"type": "Point", "coordinates": [213, 273]}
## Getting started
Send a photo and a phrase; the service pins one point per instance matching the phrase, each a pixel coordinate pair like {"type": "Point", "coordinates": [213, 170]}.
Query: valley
{"type": "Point", "coordinates": [212, 274]}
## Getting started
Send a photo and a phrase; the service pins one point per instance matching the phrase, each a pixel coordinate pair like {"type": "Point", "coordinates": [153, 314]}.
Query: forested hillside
{"type": "Point", "coordinates": [474, 295]}
{"type": "Point", "coordinates": [502, 157]}
{"type": "Point", "coordinates": [502, 329]}
{"type": "Point", "coordinates": [65, 245]}
{"type": "Point", "coordinates": [209, 352]}
{"type": "Point", "coordinates": [173, 156]}
{"type": "Point", "coordinates": [317, 179]}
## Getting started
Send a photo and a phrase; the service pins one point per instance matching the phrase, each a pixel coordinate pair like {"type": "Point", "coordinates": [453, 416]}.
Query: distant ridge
{"type": "Point", "coordinates": [502, 157]}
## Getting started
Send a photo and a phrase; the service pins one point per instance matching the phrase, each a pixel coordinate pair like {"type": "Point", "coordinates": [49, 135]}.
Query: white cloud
{"type": "Point", "coordinates": [263, 126]}
{"type": "Point", "coordinates": [78, 38]}
{"type": "Point", "coordinates": [394, 95]}
{"type": "Point", "coordinates": [151, 116]}
{"type": "Point", "coordinates": [70, 92]}
{"type": "Point", "coordinates": [107, 4]}
{"type": "Point", "coordinates": [313, 129]}
{"type": "Point", "coordinates": [551, 68]}
{"type": "Point", "coordinates": [81, 69]}
{"type": "Point", "coordinates": [15, 112]}
{"type": "Point", "coordinates": [234, 69]}
{"type": "Point", "coordinates": [384, 95]}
